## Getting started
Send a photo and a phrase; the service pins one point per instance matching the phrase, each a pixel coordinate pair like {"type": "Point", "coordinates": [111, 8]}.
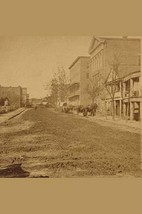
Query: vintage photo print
{"type": "Point", "coordinates": [70, 107]}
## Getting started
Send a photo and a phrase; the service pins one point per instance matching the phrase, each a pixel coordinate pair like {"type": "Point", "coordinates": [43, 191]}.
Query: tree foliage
{"type": "Point", "coordinates": [111, 86]}
{"type": "Point", "coordinates": [58, 86]}
{"type": "Point", "coordinates": [62, 84]}
{"type": "Point", "coordinates": [54, 90]}
{"type": "Point", "coordinates": [95, 86]}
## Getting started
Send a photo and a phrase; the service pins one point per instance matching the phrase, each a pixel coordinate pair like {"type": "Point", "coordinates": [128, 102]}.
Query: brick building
{"type": "Point", "coordinates": [24, 96]}
{"type": "Point", "coordinates": [14, 94]}
{"type": "Point", "coordinates": [17, 96]}
{"type": "Point", "coordinates": [27, 99]}
{"type": "Point", "coordinates": [105, 52]}
{"type": "Point", "coordinates": [79, 76]}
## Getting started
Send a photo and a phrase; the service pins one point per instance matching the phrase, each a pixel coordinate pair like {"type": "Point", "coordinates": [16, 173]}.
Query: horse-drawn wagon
{"type": "Point", "coordinates": [87, 110]}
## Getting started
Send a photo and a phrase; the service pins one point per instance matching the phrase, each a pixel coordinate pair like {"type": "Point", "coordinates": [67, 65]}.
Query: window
{"type": "Point", "coordinates": [117, 87]}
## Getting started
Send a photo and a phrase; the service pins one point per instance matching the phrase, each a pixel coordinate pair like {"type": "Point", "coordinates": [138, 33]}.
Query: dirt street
{"type": "Point", "coordinates": [46, 143]}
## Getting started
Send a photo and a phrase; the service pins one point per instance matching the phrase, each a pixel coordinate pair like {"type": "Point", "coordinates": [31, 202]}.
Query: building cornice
{"type": "Point", "coordinates": [75, 61]}
{"type": "Point", "coordinates": [103, 40]}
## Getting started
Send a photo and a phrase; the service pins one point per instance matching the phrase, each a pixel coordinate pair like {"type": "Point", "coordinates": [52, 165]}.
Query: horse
{"type": "Point", "coordinates": [82, 109]}
{"type": "Point", "coordinates": [92, 109]}
{"type": "Point", "coordinates": [67, 108]}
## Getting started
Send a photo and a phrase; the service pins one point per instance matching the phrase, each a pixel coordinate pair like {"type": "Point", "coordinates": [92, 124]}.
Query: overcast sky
{"type": "Point", "coordinates": [31, 61]}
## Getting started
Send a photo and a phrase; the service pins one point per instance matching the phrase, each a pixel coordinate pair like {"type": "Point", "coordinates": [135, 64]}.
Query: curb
{"type": "Point", "coordinates": [12, 116]}
{"type": "Point", "coordinates": [16, 114]}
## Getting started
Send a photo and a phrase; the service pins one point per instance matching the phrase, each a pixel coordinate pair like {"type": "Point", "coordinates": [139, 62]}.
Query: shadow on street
{"type": "Point", "coordinates": [13, 171]}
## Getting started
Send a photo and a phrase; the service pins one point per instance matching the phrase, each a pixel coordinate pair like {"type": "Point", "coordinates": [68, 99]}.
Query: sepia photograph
{"type": "Point", "coordinates": [70, 107]}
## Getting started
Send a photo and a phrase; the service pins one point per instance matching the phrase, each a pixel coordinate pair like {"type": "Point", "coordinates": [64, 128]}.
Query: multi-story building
{"type": "Point", "coordinates": [108, 53]}
{"type": "Point", "coordinates": [127, 96]}
{"type": "Point", "coordinates": [79, 76]}
{"type": "Point", "coordinates": [14, 95]}
{"type": "Point", "coordinates": [17, 96]}
{"type": "Point", "coordinates": [24, 96]}
{"type": "Point", "coordinates": [132, 97]}
{"type": "Point", "coordinates": [27, 99]}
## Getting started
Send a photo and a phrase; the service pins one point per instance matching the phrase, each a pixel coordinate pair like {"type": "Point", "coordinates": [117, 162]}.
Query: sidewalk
{"type": "Point", "coordinates": [121, 124]}
{"type": "Point", "coordinates": [10, 115]}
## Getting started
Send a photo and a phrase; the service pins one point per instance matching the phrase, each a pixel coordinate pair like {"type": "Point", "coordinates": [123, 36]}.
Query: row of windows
{"type": "Point", "coordinates": [97, 61]}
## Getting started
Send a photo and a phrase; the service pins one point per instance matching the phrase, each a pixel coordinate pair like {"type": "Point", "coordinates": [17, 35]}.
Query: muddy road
{"type": "Point", "coordinates": [46, 143]}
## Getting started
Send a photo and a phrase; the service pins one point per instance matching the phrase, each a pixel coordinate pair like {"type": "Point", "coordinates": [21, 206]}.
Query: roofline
{"type": "Point", "coordinates": [104, 39]}
{"type": "Point", "coordinates": [11, 86]}
{"type": "Point", "coordinates": [121, 78]}
{"type": "Point", "coordinates": [118, 38]}
{"type": "Point", "coordinates": [138, 71]}
{"type": "Point", "coordinates": [79, 57]}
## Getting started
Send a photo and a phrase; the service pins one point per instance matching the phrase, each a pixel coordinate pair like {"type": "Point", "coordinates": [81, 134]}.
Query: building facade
{"type": "Point", "coordinates": [35, 101]}
{"type": "Point", "coordinates": [79, 77]}
{"type": "Point", "coordinates": [127, 97]}
{"type": "Point", "coordinates": [24, 96]}
{"type": "Point", "coordinates": [17, 96]}
{"type": "Point", "coordinates": [132, 97]}
{"type": "Point", "coordinates": [107, 53]}
{"type": "Point", "coordinates": [14, 95]}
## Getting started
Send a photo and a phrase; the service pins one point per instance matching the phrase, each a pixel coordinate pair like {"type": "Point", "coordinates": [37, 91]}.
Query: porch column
{"type": "Point", "coordinates": [131, 87]}
{"type": "Point", "coordinates": [140, 86]}
{"type": "Point", "coordinates": [121, 96]}
{"type": "Point", "coordinates": [131, 111]}
{"type": "Point", "coordinates": [140, 94]}
{"type": "Point", "coordinates": [120, 107]}
{"type": "Point", "coordinates": [124, 88]}
{"type": "Point", "coordinates": [120, 86]}
{"type": "Point", "coordinates": [141, 113]}
{"type": "Point", "coordinates": [124, 110]}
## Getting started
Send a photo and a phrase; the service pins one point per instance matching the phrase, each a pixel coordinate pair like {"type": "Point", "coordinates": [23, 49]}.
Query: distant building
{"type": "Point", "coordinates": [14, 95]}
{"type": "Point", "coordinates": [49, 100]}
{"type": "Point", "coordinates": [24, 96]}
{"type": "Point", "coordinates": [17, 96]}
{"type": "Point", "coordinates": [35, 101]}
{"type": "Point", "coordinates": [79, 76]}
{"type": "Point", "coordinates": [44, 101]}
{"type": "Point", "coordinates": [27, 99]}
